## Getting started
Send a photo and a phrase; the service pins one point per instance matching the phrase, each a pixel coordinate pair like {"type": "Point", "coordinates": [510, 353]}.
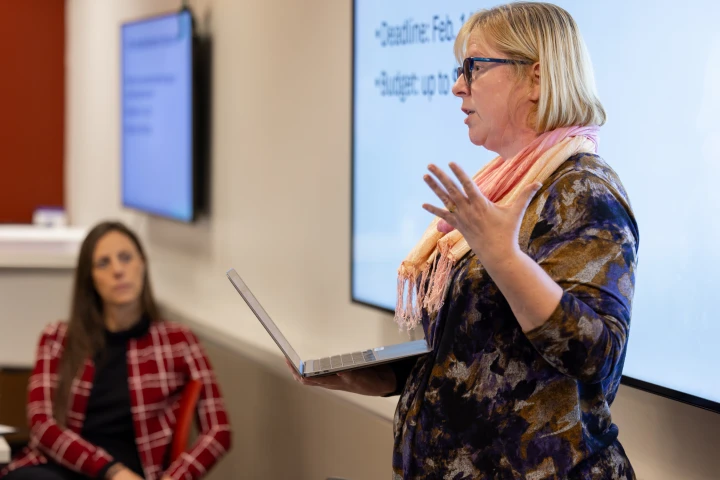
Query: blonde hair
{"type": "Point", "coordinates": [547, 34]}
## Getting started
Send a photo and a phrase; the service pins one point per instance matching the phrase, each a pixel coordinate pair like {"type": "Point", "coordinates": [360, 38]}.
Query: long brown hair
{"type": "Point", "coordinates": [86, 325]}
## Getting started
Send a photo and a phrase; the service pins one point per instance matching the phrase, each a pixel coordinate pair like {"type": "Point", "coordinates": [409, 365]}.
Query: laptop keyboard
{"type": "Point", "coordinates": [346, 360]}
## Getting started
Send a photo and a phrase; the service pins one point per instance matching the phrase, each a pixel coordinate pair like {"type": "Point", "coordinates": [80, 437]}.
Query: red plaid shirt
{"type": "Point", "coordinates": [159, 365]}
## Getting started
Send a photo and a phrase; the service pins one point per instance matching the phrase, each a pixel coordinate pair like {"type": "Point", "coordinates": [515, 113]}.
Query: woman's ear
{"type": "Point", "coordinates": [534, 93]}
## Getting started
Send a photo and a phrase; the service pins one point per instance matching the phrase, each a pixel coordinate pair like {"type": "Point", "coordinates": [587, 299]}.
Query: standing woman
{"type": "Point", "coordinates": [523, 283]}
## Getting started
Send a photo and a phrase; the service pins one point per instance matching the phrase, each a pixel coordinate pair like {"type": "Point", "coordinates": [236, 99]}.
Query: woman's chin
{"type": "Point", "coordinates": [123, 301]}
{"type": "Point", "coordinates": [476, 139]}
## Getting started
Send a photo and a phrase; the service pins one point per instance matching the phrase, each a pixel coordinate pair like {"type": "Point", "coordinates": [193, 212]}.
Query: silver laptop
{"type": "Point", "coordinates": [327, 365]}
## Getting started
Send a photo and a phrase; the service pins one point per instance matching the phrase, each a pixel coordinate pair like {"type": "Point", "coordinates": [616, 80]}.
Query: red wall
{"type": "Point", "coordinates": [32, 106]}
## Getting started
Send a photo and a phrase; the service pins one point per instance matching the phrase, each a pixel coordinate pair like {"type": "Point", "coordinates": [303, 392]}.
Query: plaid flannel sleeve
{"type": "Point", "coordinates": [215, 436]}
{"type": "Point", "coordinates": [60, 444]}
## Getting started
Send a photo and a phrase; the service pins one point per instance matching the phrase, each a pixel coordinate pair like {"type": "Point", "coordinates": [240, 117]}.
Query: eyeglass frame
{"type": "Point", "coordinates": [469, 63]}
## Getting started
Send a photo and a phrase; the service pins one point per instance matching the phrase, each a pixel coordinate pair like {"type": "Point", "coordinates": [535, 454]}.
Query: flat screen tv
{"type": "Point", "coordinates": [159, 171]}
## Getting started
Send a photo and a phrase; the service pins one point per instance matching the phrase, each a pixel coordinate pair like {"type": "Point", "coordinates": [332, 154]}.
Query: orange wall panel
{"type": "Point", "coordinates": [32, 106]}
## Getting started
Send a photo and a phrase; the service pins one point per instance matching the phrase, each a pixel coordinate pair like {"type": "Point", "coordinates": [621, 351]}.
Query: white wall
{"type": "Point", "coordinates": [280, 168]}
{"type": "Point", "coordinates": [280, 196]}
{"type": "Point", "coordinates": [22, 316]}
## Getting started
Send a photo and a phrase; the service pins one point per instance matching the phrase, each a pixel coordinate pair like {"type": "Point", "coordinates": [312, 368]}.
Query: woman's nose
{"type": "Point", "coordinates": [117, 268]}
{"type": "Point", "coordinates": [460, 88]}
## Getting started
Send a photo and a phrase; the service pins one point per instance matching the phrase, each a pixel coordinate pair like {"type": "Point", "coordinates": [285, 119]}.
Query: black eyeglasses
{"type": "Point", "coordinates": [468, 66]}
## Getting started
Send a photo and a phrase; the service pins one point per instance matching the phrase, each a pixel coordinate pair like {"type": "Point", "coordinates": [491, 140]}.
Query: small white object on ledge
{"type": "Point", "coordinates": [53, 217]}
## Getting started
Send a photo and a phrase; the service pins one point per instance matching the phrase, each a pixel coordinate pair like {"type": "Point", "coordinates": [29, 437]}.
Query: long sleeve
{"type": "Point", "coordinates": [586, 239]}
{"type": "Point", "coordinates": [402, 369]}
{"type": "Point", "coordinates": [215, 436]}
{"type": "Point", "coordinates": [60, 444]}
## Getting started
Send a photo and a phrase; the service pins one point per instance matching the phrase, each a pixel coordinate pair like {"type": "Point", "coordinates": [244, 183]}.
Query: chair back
{"type": "Point", "coordinates": [186, 413]}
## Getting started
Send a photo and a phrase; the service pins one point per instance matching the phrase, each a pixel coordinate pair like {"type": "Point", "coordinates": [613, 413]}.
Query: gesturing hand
{"type": "Point", "coordinates": [490, 230]}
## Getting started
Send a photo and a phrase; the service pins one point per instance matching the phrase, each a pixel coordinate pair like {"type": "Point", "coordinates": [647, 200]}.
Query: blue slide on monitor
{"type": "Point", "coordinates": [157, 116]}
{"type": "Point", "coordinates": [662, 137]}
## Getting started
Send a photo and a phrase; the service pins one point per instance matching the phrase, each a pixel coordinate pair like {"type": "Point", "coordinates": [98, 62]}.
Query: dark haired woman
{"type": "Point", "coordinates": [103, 397]}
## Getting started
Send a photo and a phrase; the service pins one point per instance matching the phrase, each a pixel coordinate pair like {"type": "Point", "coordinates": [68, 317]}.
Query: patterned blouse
{"type": "Point", "coordinates": [492, 402]}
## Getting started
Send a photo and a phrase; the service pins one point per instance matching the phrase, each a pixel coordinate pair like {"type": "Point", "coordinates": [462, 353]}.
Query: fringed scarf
{"type": "Point", "coordinates": [424, 275]}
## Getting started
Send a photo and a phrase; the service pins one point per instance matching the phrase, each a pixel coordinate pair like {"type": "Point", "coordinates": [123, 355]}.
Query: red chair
{"type": "Point", "coordinates": [186, 413]}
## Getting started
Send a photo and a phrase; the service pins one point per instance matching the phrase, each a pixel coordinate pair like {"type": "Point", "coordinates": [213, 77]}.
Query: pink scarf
{"type": "Point", "coordinates": [422, 277]}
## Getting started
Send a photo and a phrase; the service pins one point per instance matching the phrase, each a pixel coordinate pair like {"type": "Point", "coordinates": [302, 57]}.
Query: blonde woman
{"type": "Point", "coordinates": [523, 283]}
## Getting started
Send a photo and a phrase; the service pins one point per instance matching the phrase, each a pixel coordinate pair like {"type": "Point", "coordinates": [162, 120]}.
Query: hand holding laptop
{"type": "Point", "coordinates": [372, 381]}
{"type": "Point", "coordinates": [327, 366]}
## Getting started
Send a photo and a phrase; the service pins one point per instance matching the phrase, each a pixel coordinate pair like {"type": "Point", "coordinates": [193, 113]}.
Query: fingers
{"type": "Point", "coordinates": [444, 227]}
{"type": "Point", "coordinates": [294, 372]}
{"type": "Point", "coordinates": [441, 194]}
{"type": "Point", "coordinates": [471, 190]}
{"type": "Point", "coordinates": [333, 382]}
{"type": "Point", "coordinates": [450, 187]}
{"type": "Point", "coordinates": [439, 212]}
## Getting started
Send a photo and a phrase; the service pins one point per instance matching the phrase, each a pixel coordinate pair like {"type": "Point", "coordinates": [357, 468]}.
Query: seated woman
{"type": "Point", "coordinates": [103, 397]}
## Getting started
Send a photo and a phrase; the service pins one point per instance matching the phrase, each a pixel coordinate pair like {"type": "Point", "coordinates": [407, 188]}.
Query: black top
{"type": "Point", "coordinates": [108, 418]}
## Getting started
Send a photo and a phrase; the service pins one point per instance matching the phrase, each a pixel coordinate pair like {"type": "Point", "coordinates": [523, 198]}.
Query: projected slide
{"type": "Point", "coordinates": [157, 146]}
{"type": "Point", "coordinates": [662, 137]}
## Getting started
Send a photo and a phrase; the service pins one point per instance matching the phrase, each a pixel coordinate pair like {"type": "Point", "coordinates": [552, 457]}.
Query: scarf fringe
{"type": "Point", "coordinates": [425, 289]}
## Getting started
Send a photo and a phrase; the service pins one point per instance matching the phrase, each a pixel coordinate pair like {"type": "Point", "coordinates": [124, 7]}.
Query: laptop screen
{"type": "Point", "coordinates": [264, 318]}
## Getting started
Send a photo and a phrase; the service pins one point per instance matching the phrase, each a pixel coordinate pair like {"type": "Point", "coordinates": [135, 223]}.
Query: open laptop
{"type": "Point", "coordinates": [327, 365]}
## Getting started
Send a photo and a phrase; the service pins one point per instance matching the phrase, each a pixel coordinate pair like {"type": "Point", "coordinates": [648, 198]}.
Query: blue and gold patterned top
{"type": "Point", "coordinates": [492, 402]}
